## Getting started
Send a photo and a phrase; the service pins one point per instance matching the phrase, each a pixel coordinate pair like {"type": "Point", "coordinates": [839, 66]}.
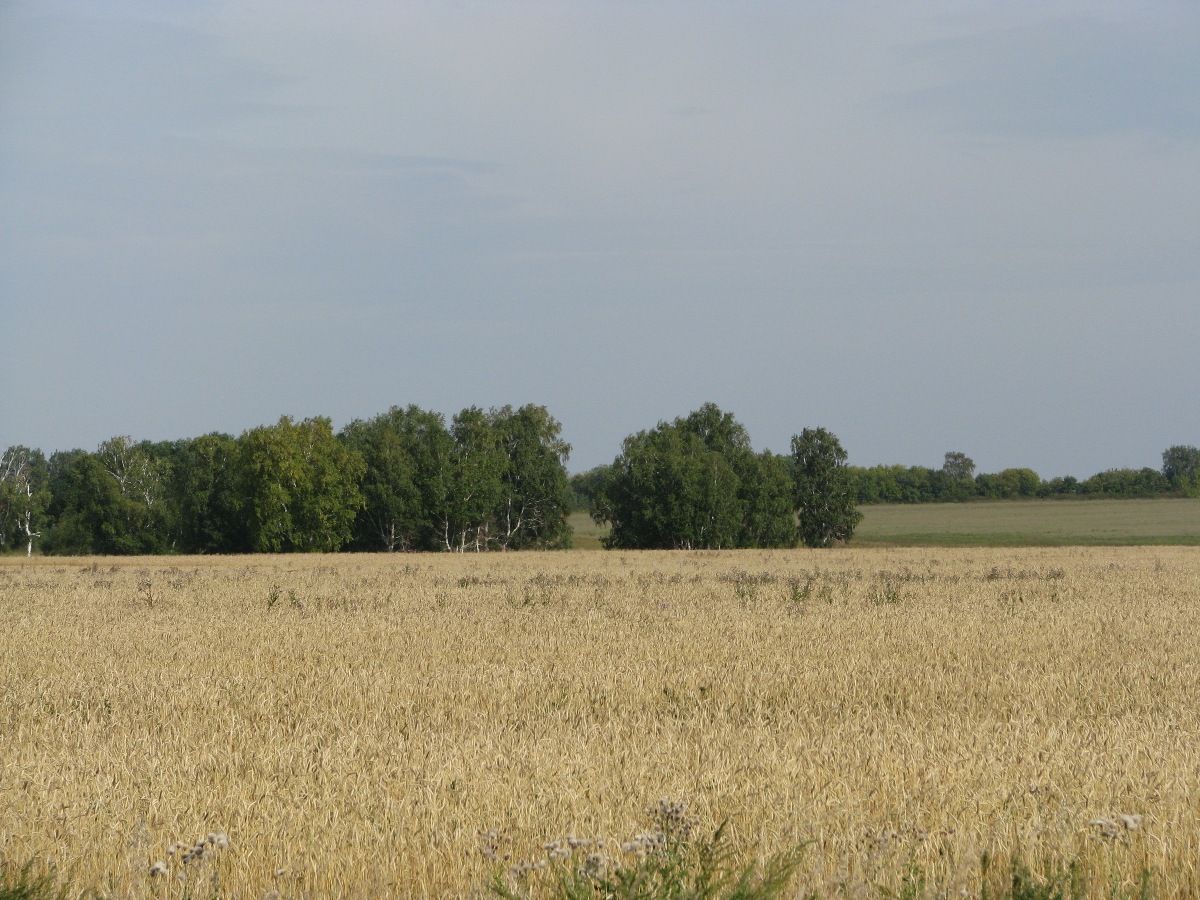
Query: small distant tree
{"type": "Point", "coordinates": [1060, 485]}
{"type": "Point", "coordinates": [586, 486]}
{"type": "Point", "coordinates": [1181, 466]}
{"type": "Point", "coordinates": [1144, 482]}
{"type": "Point", "coordinates": [959, 466]}
{"type": "Point", "coordinates": [955, 480]}
{"type": "Point", "coordinates": [1009, 484]}
{"type": "Point", "coordinates": [823, 490]}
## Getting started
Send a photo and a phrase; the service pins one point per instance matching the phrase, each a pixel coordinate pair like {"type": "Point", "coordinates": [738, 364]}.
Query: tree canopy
{"type": "Point", "coordinates": [486, 480]}
{"type": "Point", "coordinates": [696, 483]}
{"type": "Point", "coordinates": [823, 491]}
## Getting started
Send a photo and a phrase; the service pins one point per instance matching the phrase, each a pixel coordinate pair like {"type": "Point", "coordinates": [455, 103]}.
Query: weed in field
{"type": "Point", "coordinates": [886, 593]}
{"type": "Point", "coordinates": [28, 883]}
{"type": "Point", "coordinates": [665, 862]}
{"type": "Point", "coordinates": [1118, 829]}
{"type": "Point", "coordinates": [197, 862]}
{"type": "Point", "coordinates": [145, 589]}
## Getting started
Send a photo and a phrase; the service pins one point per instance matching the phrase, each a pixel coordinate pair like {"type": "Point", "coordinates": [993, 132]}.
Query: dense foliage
{"type": "Point", "coordinates": [825, 503]}
{"type": "Point", "coordinates": [696, 483]}
{"type": "Point", "coordinates": [405, 480]}
{"type": "Point", "coordinates": [408, 480]}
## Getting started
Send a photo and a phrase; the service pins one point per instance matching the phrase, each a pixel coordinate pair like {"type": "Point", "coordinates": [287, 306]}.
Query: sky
{"type": "Point", "coordinates": [925, 226]}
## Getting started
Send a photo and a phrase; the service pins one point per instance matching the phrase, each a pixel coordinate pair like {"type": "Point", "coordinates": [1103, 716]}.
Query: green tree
{"type": "Point", "coordinates": [1144, 482]}
{"type": "Point", "coordinates": [533, 504]}
{"type": "Point", "coordinates": [171, 457]}
{"type": "Point", "coordinates": [142, 477]}
{"type": "Point", "coordinates": [669, 491]}
{"type": "Point", "coordinates": [695, 483]}
{"type": "Point", "coordinates": [1181, 466]}
{"type": "Point", "coordinates": [58, 469]}
{"type": "Point", "coordinates": [402, 450]}
{"type": "Point", "coordinates": [138, 474]}
{"type": "Point", "coordinates": [769, 519]}
{"type": "Point", "coordinates": [111, 501]}
{"type": "Point", "coordinates": [1060, 485]}
{"type": "Point", "coordinates": [207, 490]}
{"type": "Point", "coordinates": [955, 480]}
{"type": "Point", "coordinates": [1009, 483]}
{"type": "Point", "coordinates": [468, 483]}
{"type": "Point", "coordinates": [300, 486]}
{"type": "Point", "coordinates": [958, 466]}
{"type": "Point", "coordinates": [719, 430]}
{"type": "Point", "coordinates": [824, 491]}
{"type": "Point", "coordinates": [96, 516]}
{"type": "Point", "coordinates": [24, 497]}
{"type": "Point", "coordinates": [586, 487]}
{"type": "Point", "coordinates": [916, 484]}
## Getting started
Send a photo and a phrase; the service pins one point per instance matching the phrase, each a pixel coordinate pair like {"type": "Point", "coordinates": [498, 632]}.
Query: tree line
{"type": "Point", "coordinates": [958, 481]}
{"type": "Point", "coordinates": [408, 480]}
{"type": "Point", "coordinates": [404, 480]}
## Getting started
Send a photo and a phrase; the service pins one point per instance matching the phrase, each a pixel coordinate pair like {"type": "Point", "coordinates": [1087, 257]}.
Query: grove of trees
{"type": "Point", "coordinates": [696, 483]}
{"type": "Point", "coordinates": [404, 480]}
{"type": "Point", "coordinates": [409, 480]}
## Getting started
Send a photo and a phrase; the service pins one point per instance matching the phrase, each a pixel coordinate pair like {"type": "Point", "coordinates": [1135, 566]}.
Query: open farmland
{"type": "Point", "coordinates": [354, 724]}
{"type": "Point", "coordinates": [1032, 523]}
{"type": "Point", "coordinates": [1004, 523]}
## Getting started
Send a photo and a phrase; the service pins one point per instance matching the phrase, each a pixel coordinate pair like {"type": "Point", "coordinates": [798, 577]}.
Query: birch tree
{"type": "Point", "coordinates": [469, 484]}
{"type": "Point", "coordinates": [823, 489]}
{"type": "Point", "coordinates": [533, 508]}
{"type": "Point", "coordinates": [139, 475]}
{"type": "Point", "coordinates": [24, 496]}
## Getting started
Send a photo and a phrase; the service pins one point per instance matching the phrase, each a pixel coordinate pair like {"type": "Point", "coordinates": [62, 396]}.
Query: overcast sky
{"type": "Point", "coordinates": [925, 226]}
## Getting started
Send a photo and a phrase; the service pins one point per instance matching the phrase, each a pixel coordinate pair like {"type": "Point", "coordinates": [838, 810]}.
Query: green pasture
{"type": "Point", "coordinates": [1020, 523]}
{"type": "Point", "coordinates": [585, 534]}
{"type": "Point", "coordinates": [1004, 523]}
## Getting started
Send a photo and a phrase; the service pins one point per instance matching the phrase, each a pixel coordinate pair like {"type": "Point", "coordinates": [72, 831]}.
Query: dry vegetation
{"type": "Point", "coordinates": [359, 726]}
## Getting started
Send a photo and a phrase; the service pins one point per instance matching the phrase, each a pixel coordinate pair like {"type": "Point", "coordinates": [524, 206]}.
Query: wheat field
{"type": "Point", "coordinates": [413, 725]}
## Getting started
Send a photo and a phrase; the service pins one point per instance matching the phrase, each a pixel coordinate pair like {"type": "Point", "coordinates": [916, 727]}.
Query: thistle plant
{"type": "Point", "coordinates": [667, 861]}
{"type": "Point", "coordinates": [195, 860]}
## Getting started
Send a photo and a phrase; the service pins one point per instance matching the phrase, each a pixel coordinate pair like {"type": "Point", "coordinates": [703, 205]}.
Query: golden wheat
{"type": "Point", "coordinates": [410, 725]}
